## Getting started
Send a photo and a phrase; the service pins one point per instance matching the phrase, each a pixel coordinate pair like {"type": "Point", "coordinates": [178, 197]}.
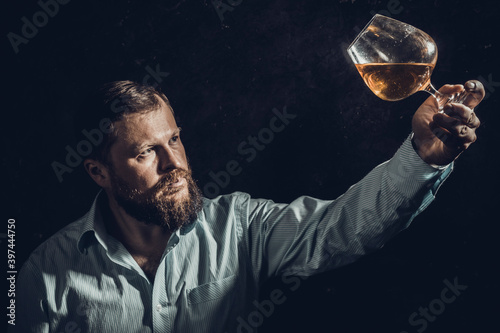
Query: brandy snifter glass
{"type": "Point", "coordinates": [396, 60]}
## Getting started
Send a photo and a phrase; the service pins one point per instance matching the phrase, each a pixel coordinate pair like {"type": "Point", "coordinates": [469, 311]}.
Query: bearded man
{"type": "Point", "coordinates": [153, 255]}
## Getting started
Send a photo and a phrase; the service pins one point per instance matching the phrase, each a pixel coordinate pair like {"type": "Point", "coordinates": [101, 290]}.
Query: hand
{"type": "Point", "coordinates": [440, 138]}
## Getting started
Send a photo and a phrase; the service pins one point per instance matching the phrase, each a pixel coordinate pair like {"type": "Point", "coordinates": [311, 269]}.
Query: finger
{"type": "Point", "coordinates": [455, 127]}
{"type": "Point", "coordinates": [451, 89]}
{"type": "Point", "coordinates": [453, 142]}
{"type": "Point", "coordinates": [462, 113]}
{"type": "Point", "coordinates": [475, 93]}
{"type": "Point", "coordinates": [444, 135]}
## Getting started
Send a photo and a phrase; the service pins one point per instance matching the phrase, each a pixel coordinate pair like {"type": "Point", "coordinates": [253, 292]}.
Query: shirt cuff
{"type": "Point", "coordinates": [435, 166]}
{"type": "Point", "coordinates": [410, 174]}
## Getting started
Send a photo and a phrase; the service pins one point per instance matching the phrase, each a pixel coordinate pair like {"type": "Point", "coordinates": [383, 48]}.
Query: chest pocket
{"type": "Point", "coordinates": [212, 290]}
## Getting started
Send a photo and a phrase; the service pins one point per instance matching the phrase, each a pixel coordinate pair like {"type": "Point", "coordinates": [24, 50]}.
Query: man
{"type": "Point", "coordinates": [153, 255]}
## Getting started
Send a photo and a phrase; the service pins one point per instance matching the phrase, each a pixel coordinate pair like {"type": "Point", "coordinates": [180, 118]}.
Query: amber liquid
{"type": "Point", "coordinates": [394, 82]}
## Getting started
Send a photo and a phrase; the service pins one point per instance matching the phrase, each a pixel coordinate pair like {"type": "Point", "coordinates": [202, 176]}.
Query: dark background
{"type": "Point", "coordinates": [224, 78]}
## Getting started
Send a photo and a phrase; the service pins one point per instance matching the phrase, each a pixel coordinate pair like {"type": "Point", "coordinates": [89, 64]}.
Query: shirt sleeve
{"type": "Point", "coordinates": [309, 236]}
{"type": "Point", "coordinates": [31, 311]}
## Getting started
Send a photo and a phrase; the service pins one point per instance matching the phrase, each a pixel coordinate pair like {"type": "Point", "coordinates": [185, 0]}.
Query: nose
{"type": "Point", "coordinates": [169, 160]}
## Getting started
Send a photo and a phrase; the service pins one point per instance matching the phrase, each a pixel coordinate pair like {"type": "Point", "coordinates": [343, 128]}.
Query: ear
{"type": "Point", "coordinates": [97, 171]}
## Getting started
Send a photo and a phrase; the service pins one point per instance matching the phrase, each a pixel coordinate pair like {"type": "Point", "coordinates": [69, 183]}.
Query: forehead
{"type": "Point", "coordinates": [137, 128]}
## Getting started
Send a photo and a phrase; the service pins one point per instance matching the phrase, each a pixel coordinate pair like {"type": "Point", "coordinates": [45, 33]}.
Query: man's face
{"type": "Point", "coordinates": [149, 173]}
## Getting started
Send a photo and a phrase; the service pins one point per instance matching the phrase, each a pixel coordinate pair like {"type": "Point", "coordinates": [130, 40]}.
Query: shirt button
{"type": "Point", "coordinates": [158, 307]}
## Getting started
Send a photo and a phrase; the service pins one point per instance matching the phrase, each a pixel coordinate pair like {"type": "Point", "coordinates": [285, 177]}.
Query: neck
{"type": "Point", "coordinates": [140, 239]}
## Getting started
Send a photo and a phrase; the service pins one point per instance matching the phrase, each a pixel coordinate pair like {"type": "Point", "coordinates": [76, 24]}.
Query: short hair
{"type": "Point", "coordinates": [110, 103]}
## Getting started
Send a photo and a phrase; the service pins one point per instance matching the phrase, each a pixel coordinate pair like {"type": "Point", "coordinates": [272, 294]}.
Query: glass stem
{"type": "Point", "coordinates": [441, 99]}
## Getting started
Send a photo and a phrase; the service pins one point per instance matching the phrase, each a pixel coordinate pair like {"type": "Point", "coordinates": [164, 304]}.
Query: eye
{"type": "Point", "coordinates": [146, 152]}
{"type": "Point", "coordinates": [176, 137]}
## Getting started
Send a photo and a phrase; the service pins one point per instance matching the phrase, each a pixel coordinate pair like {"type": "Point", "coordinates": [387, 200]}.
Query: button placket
{"type": "Point", "coordinates": [159, 301]}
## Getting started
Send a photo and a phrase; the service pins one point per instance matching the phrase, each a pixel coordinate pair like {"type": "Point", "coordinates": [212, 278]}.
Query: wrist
{"type": "Point", "coordinates": [417, 149]}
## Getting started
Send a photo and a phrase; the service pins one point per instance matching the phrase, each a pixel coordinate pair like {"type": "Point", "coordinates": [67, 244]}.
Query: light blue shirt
{"type": "Point", "coordinates": [83, 280]}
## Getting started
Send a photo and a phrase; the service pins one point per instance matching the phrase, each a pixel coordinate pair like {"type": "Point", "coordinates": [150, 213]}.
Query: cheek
{"type": "Point", "coordinates": [183, 157]}
{"type": "Point", "coordinates": [141, 178]}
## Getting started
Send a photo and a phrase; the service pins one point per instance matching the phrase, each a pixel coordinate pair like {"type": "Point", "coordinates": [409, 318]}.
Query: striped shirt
{"type": "Point", "coordinates": [83, 280]}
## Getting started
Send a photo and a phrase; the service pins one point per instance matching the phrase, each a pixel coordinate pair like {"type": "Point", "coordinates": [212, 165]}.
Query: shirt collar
{"type": "Point", "coordinates": [184, 230]}
{"type": "Point", "coordinates": [93, 225]}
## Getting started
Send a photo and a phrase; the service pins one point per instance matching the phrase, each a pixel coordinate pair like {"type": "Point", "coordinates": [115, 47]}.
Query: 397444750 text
{"type": "Point", "coordinates": [11, 272]}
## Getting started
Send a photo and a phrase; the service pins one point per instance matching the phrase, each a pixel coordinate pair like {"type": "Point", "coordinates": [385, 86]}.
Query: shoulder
{"type": "Point", "coordinates": [58, 248]}
{"type": "Point", "coordinates": [224, 212]}
{"type": "Point", "coordinates": [237, 204]}
{"type": "Point", "coordinates": [226, 200]}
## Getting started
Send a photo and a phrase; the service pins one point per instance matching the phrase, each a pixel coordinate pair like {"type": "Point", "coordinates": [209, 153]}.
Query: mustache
{"type": "Point", "coordinates": [171, 177]}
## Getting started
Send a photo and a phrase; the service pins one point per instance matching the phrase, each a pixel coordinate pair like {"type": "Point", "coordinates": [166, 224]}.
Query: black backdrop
{"type": "Point", "coordinates": [224, 77]}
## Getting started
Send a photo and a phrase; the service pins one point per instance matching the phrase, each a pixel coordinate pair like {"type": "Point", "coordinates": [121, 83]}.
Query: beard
{"type": "Point", "coordinates": [161, 205]}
